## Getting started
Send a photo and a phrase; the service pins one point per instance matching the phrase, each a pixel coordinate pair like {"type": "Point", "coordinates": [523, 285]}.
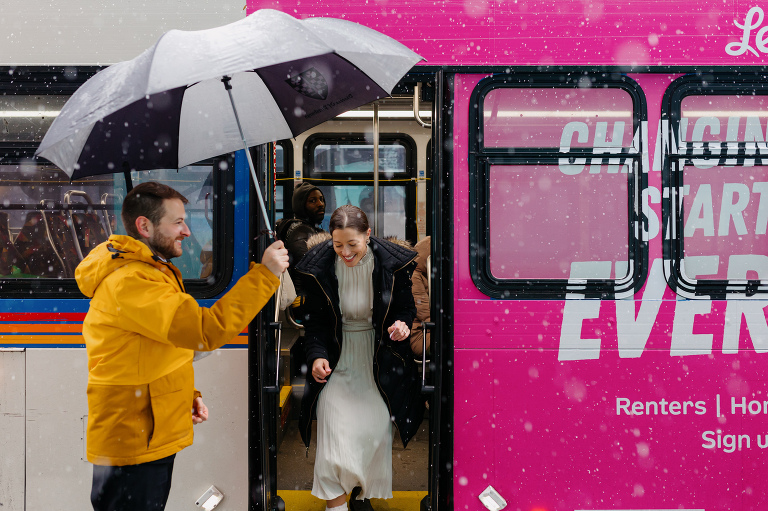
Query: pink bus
{"type": "Point", "coordinates": [591, 178]}
{"type": "Point", "coordinates": [594, 193]}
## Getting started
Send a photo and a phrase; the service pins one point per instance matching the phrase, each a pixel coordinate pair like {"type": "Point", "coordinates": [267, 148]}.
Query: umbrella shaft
{"type": "Point", "coordinates": [264, 215]}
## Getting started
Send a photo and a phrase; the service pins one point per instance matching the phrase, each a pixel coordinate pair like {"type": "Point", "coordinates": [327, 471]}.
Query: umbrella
{"type": "Point", "coordinates": [199, 94]}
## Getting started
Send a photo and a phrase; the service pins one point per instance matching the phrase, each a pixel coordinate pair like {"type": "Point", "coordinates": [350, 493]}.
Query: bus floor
{"type": "Point", "coordinates": [409, 472]}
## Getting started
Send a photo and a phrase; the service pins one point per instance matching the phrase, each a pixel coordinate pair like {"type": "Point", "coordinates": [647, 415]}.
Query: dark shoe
{"type": "Point", "coordinates": [358, 505]}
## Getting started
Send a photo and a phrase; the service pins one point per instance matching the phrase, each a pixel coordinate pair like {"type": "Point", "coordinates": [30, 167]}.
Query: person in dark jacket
{"type": "Point", "coordinates": [360, 374]}
{"type": "Point", "coordinates": [308, 205]}
{"type": "Point", "coordinates": [420, 281]}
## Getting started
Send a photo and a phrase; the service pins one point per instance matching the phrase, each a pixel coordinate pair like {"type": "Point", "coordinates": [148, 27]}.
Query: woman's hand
{"type": "Point", "coordinates": [320, 370]}
{"type": "Point", "coordinates": [399, 331]}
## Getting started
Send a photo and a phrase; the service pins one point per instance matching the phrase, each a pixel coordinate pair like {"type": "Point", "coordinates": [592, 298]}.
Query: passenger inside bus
{"type": "Point", "coordinates": [308, 205]}
{"type": "Point", "coordinates": [11, 262]}
{"type": "Point", "coordinates": [420, 288]}
{"type": "Point", "coordinates": [47, 245]}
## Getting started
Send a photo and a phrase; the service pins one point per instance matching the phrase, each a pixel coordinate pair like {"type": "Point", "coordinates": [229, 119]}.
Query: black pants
{"type": "Point", "coordinates": [133, 487]}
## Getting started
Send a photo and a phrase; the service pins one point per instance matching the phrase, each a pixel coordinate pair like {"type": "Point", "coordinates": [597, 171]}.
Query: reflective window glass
{"type": "Point", "coordinates": [48, 224]}
{"type": "Point", "coordinates": [27, 118]}
{"type": "Point", "coordinates": [555, 186]}
{"type": "Point", "coordinates": [392, 204]}
{"type": "Point", "coordinates": [724, 118]}
{"type": "Point", "coordinates": [357, 158]}
{"type": "Point", "coordinates": [600, 118]}
{"type": "Point", "coordinates": [545, 224]}
{"type": "Point", "coordinates": [725, 215]}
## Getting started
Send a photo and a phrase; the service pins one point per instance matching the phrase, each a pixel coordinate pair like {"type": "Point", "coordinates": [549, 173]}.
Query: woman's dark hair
{"type": "Point", "coordinates": [147, 200]}
{"type": "Point", "coordinates": [349, 216]}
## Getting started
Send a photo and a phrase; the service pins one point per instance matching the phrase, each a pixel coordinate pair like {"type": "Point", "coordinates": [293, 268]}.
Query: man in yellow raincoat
{"type": "Point", "coordinates": [141, 332]}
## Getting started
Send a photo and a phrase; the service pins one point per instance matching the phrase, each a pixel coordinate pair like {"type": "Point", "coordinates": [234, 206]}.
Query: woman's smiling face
{"type": "Point", "coordinates": [350, 244]}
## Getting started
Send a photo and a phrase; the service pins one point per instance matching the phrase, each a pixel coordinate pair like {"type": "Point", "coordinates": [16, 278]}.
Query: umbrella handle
{"type": "Point", "coordinates": [227, 85]}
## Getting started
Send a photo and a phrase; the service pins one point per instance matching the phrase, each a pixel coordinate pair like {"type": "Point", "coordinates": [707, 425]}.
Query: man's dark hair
{"type": "Point", "coordinates": [147, 200]}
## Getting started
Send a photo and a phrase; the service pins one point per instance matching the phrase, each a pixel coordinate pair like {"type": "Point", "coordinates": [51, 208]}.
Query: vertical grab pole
{"type": "Point", "coordinates": [376, 169]}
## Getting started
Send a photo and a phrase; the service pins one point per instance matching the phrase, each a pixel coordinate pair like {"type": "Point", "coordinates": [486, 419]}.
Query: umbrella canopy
{"type": "Point", "coordinates": [168, 107]}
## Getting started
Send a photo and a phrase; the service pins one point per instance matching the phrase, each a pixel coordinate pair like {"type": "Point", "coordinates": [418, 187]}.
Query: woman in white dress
{"type": "Point", "coordinates": [359, 380]}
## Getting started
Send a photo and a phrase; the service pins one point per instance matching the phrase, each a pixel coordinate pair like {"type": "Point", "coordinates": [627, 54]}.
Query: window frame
{"type": "Point", "coordinates": [354, 178]}
{"type": "Point", "coordinates": [678, 154]}
{"type": "Point", "coordinates": [284, 180]}
{"type": "Point", "coordinates": [481, 159]}
{"type": "Point", "coordinates": [57, 80]}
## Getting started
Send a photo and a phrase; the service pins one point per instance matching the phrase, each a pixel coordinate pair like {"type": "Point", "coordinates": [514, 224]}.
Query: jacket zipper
{"type": "Point", "coordinates": [335, 325]}
{"type": "Point", "coordinates": [169, 266]}
{"type": "Point", "coordinates": [378, 347]}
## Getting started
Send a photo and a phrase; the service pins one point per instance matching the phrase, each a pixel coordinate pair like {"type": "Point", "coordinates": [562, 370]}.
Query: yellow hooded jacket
{"type": "Point", "coordinates": [141, 332]}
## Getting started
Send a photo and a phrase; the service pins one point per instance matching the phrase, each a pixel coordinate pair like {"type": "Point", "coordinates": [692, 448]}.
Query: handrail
{"type": "Point", "coordinates": [278, 327]}
{"type": "Point", "coordinates": [292, 320]}
{"type": "Point", "coordinates": [416, 99]}
{"type": "Point", "coordinates": [78, 193]}
{"type": "Point", "coordinates": [68, 200]}
{"type": "Point", "coordinates": [103, 201]}
{"type": "Point", "coordinates": [427, 389]}
{"type": "Point", "coordinates": [49, 233]}
{"type": "Point", "coordinates": [376, 170]}
{"type": "Point", "coordinates": [205, 209]}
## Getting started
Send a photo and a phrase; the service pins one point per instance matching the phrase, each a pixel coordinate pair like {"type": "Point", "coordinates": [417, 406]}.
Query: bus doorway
{"type": "Point", "coordinates": [378, 158]}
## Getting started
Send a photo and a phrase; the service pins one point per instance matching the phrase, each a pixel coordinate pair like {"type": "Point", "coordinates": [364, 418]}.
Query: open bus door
{"type": "Point", "coordinates": [336, 157]}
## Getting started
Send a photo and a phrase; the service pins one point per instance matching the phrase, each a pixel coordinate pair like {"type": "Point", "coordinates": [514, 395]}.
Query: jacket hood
{"type": "Point", "coordinates": [107, 257]}
{"type": "Point", "coordinates": [391, 252]}
{"type": "Point", "coordinates": [299, 200]}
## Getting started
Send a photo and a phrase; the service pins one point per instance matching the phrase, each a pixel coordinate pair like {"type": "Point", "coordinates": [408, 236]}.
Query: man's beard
{"type": "Point", "coordinates": [317, 218]}
{"type": "Point", "coordinates": [164, 246]}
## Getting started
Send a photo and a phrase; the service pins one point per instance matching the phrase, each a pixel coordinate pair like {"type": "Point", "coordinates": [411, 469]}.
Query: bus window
{"type": "Point", "coordinates": [556, 177]}
{"type": "Point", "coordinates": [26, 118]}
{"type": "Point", "coordinates": [193, 182]}
{"type": "Point", "coordinates": [718, 174]}
{"type": "Point", "coordinates": [283, 175]}
{"type": "Point", "coordinates": [546, 225]}
{"type": "Point", "coordinates": [48, 223]}
{"type": "Point", "coordinates": [347, 162]}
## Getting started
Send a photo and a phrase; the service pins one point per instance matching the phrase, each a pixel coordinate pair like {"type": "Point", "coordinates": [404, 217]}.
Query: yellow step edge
{"type": "Point", "coordinates": [401, 501]}
{"type": "Point", "coordinates": [285, 392]}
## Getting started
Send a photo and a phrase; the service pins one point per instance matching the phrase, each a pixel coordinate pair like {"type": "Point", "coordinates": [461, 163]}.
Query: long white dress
{"type": "Point", "coordinates": [354, 432]}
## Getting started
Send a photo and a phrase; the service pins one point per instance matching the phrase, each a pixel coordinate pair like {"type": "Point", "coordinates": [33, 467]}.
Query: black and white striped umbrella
{"type": "Point", "coordinates": [199, 94]}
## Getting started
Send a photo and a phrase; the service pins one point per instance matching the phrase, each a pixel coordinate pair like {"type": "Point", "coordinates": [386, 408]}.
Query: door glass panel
{"type": "Point", "coordinates": [355, 158]}
{"type": "Point", "coordinates": [391, 205]}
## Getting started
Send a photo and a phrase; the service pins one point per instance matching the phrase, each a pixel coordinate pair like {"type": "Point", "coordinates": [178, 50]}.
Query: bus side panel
{"type": "Point", "coordinates": [567, 32]}
{"type": "Point", "coordinates": [12, 418]}
{"type": "Point", "coordinates": [589, 404]}
{"type": "Point", "coordinates": [57, 408]}
{"type": "Point", "coordinates": [57, 473]}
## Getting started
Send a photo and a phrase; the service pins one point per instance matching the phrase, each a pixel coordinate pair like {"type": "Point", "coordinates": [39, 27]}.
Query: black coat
{"type": "Point", "coordinates": [394, 371]}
